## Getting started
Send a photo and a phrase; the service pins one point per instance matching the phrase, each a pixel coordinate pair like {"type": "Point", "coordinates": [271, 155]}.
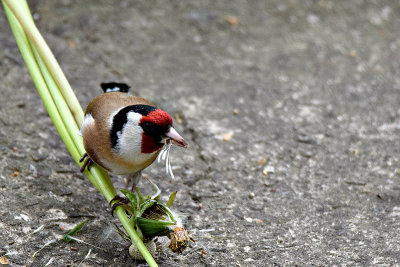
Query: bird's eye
{"type": "Point", "coordinates": [154, 130]}
{"type": "Point", "coordinates": [149, 128]}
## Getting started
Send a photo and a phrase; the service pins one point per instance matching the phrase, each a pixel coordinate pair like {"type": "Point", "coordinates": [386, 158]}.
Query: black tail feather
{"type": "Point", "coordinates": [115, 87]}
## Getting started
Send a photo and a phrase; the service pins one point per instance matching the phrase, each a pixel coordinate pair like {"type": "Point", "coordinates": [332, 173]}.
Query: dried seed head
{"type": "Point", "coordinates": [179, 240]}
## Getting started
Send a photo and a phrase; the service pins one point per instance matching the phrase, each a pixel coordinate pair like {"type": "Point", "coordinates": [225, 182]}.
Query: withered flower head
{"type": "Point", "coordinates": [179, 240]}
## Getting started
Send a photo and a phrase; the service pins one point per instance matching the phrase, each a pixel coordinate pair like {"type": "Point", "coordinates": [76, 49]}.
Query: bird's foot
{"type": "Point", "coordinates": [88, 162]}
{"type": "Point", "coordinates": [121, 201]}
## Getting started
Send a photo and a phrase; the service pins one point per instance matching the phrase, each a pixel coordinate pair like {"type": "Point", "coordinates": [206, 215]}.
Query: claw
{"type": "Point", "coordinates": [87, 162]}
{"type": "Point", "coordinates": [83, 157]}
{"type": "Point", "coordinates": [122, 201]}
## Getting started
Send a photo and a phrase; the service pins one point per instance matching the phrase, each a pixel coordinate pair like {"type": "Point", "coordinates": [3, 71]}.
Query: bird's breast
{"type": "Point", "coordinates": [133, 164]}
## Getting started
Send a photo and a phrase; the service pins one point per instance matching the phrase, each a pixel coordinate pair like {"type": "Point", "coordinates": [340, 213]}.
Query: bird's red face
{"type": "Point", "coordinates": [157, 125]}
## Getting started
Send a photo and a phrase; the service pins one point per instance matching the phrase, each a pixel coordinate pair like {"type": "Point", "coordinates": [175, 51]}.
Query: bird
{"type": "Point", "coordinates": [124, 134]}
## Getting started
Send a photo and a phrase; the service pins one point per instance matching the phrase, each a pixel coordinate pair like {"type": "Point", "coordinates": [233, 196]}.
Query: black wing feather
{"type": "Point", "coordinates": [115, 87]}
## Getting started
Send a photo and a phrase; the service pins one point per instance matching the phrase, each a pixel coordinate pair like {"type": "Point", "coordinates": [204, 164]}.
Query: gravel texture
{"type": "Point", "coordinates": [291, 109]}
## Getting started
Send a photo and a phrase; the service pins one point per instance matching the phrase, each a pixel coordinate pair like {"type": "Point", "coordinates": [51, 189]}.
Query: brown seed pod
{"type": "Point", "coordinates": [180, 239]}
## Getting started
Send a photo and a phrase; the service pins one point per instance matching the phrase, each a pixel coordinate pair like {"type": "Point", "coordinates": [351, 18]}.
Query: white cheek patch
{"type": "Point", "coordinates": [134, 118]}
{"type": "Point", "coordinates": [130, 140]}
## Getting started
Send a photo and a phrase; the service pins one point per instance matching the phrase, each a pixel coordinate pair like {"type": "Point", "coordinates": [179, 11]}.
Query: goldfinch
{"type": "Point", "coordinates": [124, 134]}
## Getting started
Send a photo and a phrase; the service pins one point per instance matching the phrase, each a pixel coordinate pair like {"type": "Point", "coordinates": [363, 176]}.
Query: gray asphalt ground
{"type": "Point", "coordinates": [291, 109]}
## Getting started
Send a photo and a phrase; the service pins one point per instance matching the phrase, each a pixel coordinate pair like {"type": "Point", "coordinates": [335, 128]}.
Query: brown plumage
{"type": "Point", "coordinates": [124, 134]}
{"type": "Point", "coordinates": [97, 135]}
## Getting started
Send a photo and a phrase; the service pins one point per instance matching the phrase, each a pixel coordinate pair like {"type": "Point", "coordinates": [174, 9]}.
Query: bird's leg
{"type": "Point", "coordinates": [135, 178]}
{"type": "Point", "coordinates": [87, 162]}
{"type": "Point", "coordinates": [127, 181]}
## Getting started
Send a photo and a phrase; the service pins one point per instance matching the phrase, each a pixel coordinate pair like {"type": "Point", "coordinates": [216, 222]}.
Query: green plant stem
{"type": "Point", "coordinates": [68, 119]}
{"type": "Point", "coordinates": [72, 128]}
{"type": "Point", "coordinates": [66, 116]}
{"type": "Point", "coordinates": [34, 35]}
{"type": "Point", "coordinates": [26, 52]}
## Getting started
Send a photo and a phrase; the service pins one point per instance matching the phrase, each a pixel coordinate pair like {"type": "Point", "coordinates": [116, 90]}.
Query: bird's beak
{"type": "Point", "coordinates": [176, 139]}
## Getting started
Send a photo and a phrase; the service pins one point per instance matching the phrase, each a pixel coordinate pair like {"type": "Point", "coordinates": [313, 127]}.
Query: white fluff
{"type": "Point", "coordinates": [87, 120]}
{"type": "Point", "coordinates": [164, 155]}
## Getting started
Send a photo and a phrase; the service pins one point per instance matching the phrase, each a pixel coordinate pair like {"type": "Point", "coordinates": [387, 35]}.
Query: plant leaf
{"type": "Point", "coordinates": [133, 199]}
{"type": "Point", "coordinates": [151, 228]}
{"type": "Point", "coordinates": [171, 199]}
{"type": "Point", "coordinates": [67, 238]}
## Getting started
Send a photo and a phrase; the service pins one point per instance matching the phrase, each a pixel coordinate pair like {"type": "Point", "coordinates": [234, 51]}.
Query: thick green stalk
{"type": "Point", "coordinates": [23, 45]}
{"type": "Point", "coordinates": [66, 116]}
{"type": "Point", "coordinates": [72, 128]}
{"type": "Point", "coordinates": [42, 87]}
{"type": "Point", "coordinates": [34, 35]}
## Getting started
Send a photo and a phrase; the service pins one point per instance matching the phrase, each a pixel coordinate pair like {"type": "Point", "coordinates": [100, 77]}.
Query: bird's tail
{"type": "Point", "coordinates": [115, 87]}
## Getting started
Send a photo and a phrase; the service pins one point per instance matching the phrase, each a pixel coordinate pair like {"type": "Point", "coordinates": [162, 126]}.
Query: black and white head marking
{"type": "Point", "coordinates": [121, 118]}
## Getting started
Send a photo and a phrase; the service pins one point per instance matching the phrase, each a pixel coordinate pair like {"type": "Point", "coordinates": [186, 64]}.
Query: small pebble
{"type": "Point", "coordinates": [262, 161]}
{"type": "Point", "coordinates": [228, 136]}
{"type": "Point", "coordinates": [4, 261]}
{"type": "Point", "coordinates": [36, 16]}
{"type": "Point", "coordinates": [33, 170]}
{"type": "Point", "coordinates": [251, 195]}
{"type": "Point", "coordinates": [15, 173]}
{"type": "Point", "coordinates": [268, 169]}
{"type": "Point", "coordinates": [232, 20]}
{"type": "Point", "coordinates": [71, 43]}
{"type": "Point", "coordinates": [248, 219]}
